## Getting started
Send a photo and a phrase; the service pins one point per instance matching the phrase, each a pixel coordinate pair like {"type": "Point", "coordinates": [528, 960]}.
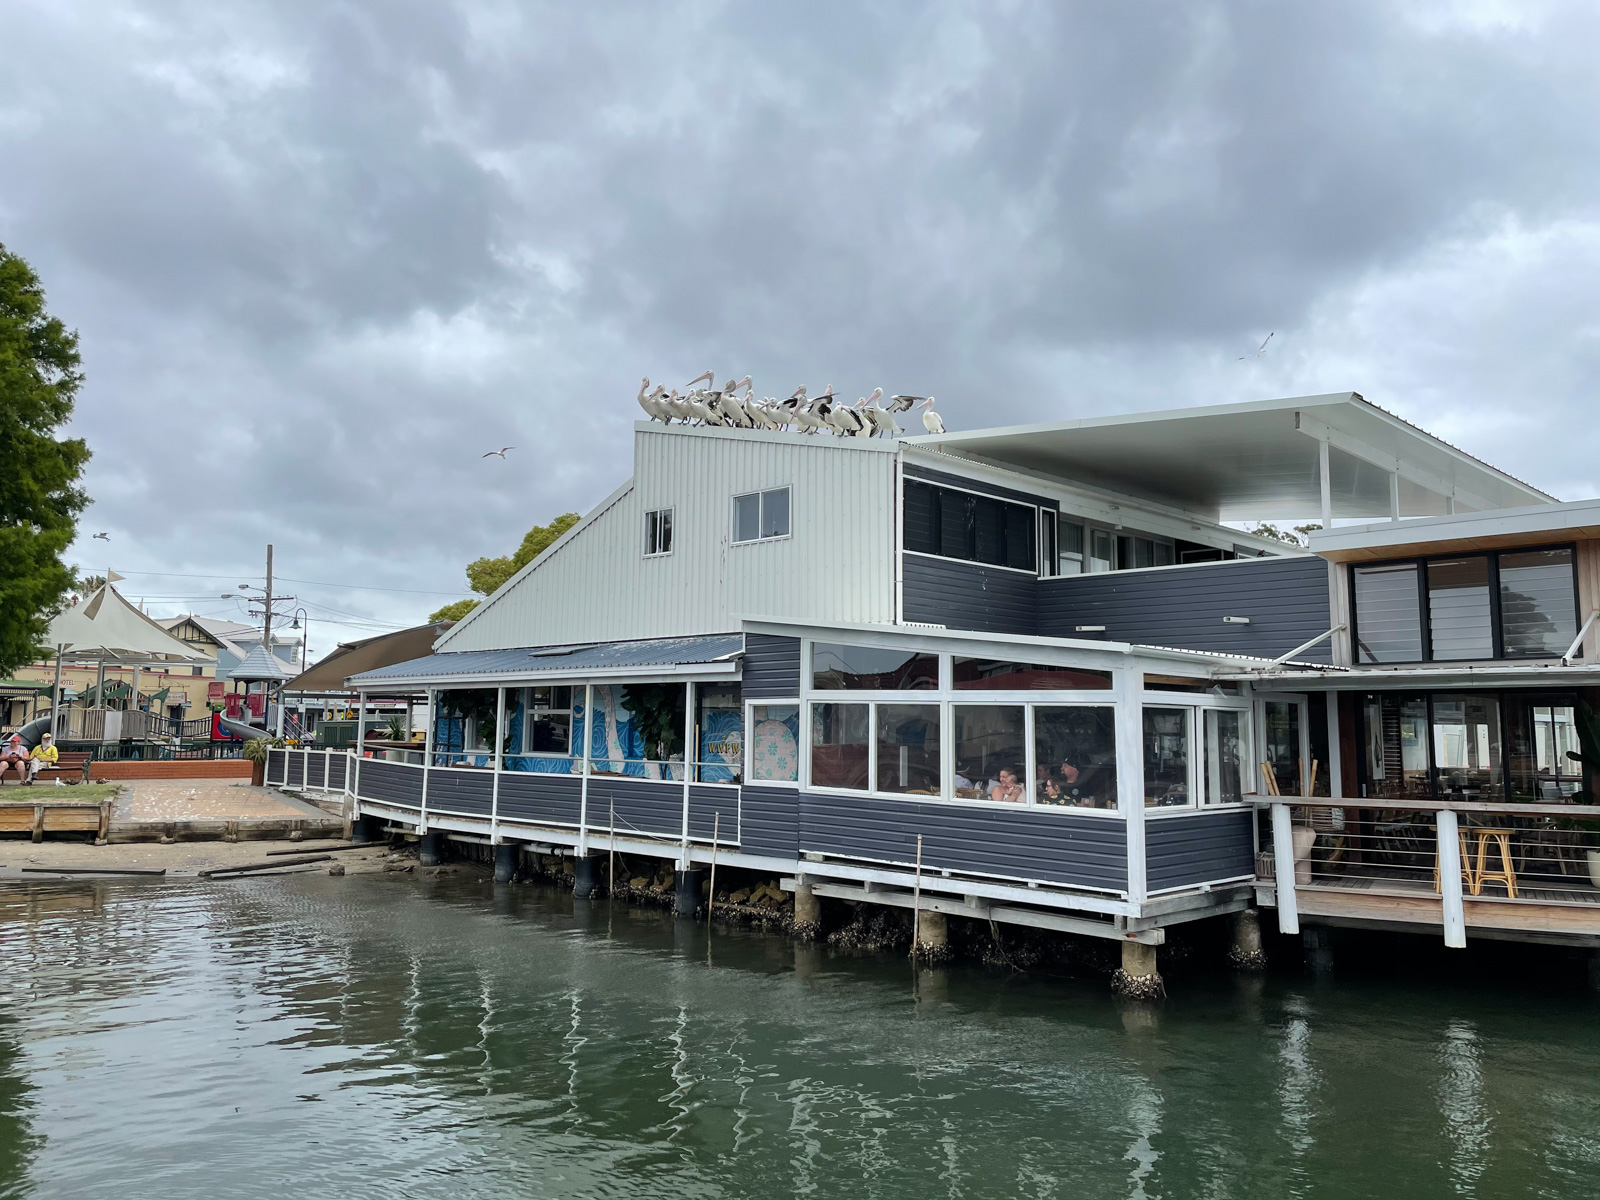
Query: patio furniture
{"type": "Point", "coordinates": [1507, 873]}
{"type": "Point", "coordinates": [1468, 875]}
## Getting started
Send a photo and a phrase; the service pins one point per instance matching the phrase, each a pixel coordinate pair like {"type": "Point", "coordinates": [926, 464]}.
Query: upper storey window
{"type": "Point", "coordinates": [761, 516]}
{"type": "Point", "coordinates": [956, 524]}
{"type": "Point", "coordinates": [1511, 604]}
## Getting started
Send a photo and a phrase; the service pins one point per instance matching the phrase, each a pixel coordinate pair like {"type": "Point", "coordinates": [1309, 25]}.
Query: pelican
{"type": "Point", "coordinates": [931, 420]}
{"type": "Point", "coordinates": [745, 384]}
{"type": "Point", "coordinates": [651, 402]}
{"type": "Point", "coordinates": [870, 416]}
{"type": "Point", "coordinates": [703, 377]}
{"type": "Point", "coordinates": [676, 406]}
{"type": "Point", "coordinates": [807, 417]}
{"type": "Point", "coordinates": [900, 404]}
{"type": "Point", "coordinates": [773, 414]}
{"type": "Point", "coordinates": [731, 408]}
{"type": "Point", "coordinates": [880, 421]}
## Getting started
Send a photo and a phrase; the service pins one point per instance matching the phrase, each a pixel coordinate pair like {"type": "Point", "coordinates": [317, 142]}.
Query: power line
{"type": "Point", "coordinates": [361, 587]}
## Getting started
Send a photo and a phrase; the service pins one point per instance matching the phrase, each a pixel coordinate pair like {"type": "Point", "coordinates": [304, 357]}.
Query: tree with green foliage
{"type": "Point", "coordinates": [487, 575]}
{"type": "Point", "coordinates": [1298, 536]}
{"type": "Point", "coordinates": [39, 494]}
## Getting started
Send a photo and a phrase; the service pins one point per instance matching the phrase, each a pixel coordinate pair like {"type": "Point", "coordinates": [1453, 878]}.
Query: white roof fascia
{"type": "Point", "coordinates": [1554, 519]}
{"type": "Point", "coordinates": [1553, 675]}
{"type": "Point", "coordinates": [549, 553]}
{"type": "Point", "coordinates": [820, 441]}
{"type": "Point", "coordinates": [1111, 654]}
{"type": "Point", "coordinates": [726, 671]}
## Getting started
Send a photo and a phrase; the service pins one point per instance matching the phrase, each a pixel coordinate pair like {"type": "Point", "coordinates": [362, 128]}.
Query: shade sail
{"type": "Point", "coordinates": [368, 654]}
{"type": "Point", "coordinates": [107, 626]}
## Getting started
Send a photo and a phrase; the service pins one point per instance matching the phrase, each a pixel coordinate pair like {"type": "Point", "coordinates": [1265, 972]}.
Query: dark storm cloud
{"type": "Point", "coordinates": [323, 255]}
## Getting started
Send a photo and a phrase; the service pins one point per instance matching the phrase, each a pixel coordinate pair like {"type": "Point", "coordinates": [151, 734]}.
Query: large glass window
{"type": "Point", "coordinates": [1102, 550]}
{"type": "Point", "coordinates": [1075, 756]}
{"type": "Point", "coordinates": [997, 675]}
{"type": "Point", "coordinates": [1388, 616]}
{"type": "Point", "coordinates": [774, 743]}
{"type": "Point", "coordinates": [1281, 746]}
{"type": "Point", "coordinates": [1538, 610]}
{"type": "Point", "coordinates": [1541, 737]}
{"type": "Point", "coordinates": [1071, 548]}
{"type": "Point", "coordinates": [1166, 757]}
{"type": "Point", "coordinates": [841, 737]}
{"type": "Point", "coordinates": [959, 524]}
{"type": "Point", "coordinates": [908, 748]}
{"type": "Point", "coordinates": [719, 733]}
{"type": "Point", "coordinates": [1459, 619]}
{"type": "Point", "coordinates": [872, 669]}
{"type": "Point", "coordinates": [990, 752]}
{"type": "Point", "coordinates": [1466, 746]}
{"type": "Point", "coordinates": [1227, 755]}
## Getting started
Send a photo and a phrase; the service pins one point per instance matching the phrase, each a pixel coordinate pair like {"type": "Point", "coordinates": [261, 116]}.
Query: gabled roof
{"type": "Point", "coordinates": [259, 664]}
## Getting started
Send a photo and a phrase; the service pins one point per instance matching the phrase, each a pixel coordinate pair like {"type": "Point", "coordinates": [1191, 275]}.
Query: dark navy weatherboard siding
{"type": "Point", "coordinates": [466, 793]}
{"type": "Point", "coordinates": [540, 798]}
{"type": "Point", "coordinates": [1054, 847]}
{"type": "Point", "coordinates": [770, 821]}
{"type": "Point", "coordinates": [967, 595]}
{"type": "Point", "coordinates": [771, 668]}
{"type": "Point", "coordinates": [1181, 851]}
{"type": "Point", "coordinates": [392, 782]}
{"type": "Point", "coordinates": [1285, 598]}
{"type": "Point", "coordinates": [706, 803]}
{"type": "Point", "coordinates": [642, 805]}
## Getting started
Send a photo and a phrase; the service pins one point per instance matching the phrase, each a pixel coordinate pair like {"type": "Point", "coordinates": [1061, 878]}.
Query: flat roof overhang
{"type": "Point", "coordinates": [1550, 676]}
{"type": "Point", "coordinates": [1529, 526]}
{"type": "Point", "coordinates": [709, 657]}
{"type": "Point", "coordinates": [1254, 461]}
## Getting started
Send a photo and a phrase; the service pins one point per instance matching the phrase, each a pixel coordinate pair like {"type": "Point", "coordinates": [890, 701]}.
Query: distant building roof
{"type": "Point", "coordinates": [368, 654]}
{"type": "Point", "coordinates": [259, 664]}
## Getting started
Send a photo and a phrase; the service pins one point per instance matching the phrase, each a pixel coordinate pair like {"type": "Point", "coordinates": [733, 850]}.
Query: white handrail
{"type": "Point", "coordinates": [1566, 659]}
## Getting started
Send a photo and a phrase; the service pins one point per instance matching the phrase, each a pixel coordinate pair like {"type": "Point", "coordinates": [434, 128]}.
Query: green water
{"type": "Point", "coordinates": [377, 1036]}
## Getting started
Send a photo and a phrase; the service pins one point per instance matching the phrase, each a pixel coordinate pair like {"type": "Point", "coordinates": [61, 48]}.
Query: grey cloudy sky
{"type": "Point", "coordinates": [323, 255]}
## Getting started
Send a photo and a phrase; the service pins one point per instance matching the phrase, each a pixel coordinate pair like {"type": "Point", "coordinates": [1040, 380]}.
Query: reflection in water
{"type": "Point", "coordinates": [384, 1037]}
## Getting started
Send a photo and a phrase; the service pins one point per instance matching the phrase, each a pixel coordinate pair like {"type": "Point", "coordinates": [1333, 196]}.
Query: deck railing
{"type": "Point", "coordinates": [1456, 850]}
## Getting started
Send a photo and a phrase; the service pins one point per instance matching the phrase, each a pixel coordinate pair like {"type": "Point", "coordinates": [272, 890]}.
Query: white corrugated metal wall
{"type": "Point", "coordinates": [836, 565]}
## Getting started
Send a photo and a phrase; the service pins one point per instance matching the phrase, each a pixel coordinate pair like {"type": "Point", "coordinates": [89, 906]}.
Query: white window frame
{"type": "Point", "coordinates": [672, 531]}
{"type": "Point", "coordinates": [802, 740]}
{"type": "Point", "coordinates": [527, 722]}
{"type": "Point", "coordinates": [761, 511]}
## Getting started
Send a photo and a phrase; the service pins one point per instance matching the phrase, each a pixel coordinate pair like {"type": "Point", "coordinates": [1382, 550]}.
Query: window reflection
{"type": "Point", "coordinates": [908, 748]}
{"type": "Point", "coordinates": [1466, 746]}
{"type": "Point", "coordinates": [872, 669]}
{"type": "Point", "coordinates": [1538, 611]}
{"type": "Point", "coordinates": [1075, 755]}
{"type": "Point", "coordinates": [1227, 755]}
{"type": "Point", "coordinates": [840, 744]}
{"type": "Point", "coordinates": [1166, 757]}
{"type": "Point", "coordinates": [987, 674]}
{"type": "Point", "coordinates": [990, 752]}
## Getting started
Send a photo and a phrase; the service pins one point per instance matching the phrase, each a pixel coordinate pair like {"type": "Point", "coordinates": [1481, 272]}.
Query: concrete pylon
{"type": "Point", "coordinates": [932, 938]}
{"type": "Point", "coordinates": [432, 849]}
{"type": "Point", "coordinates": [586, 876]}
{"type": "Point", "coordinates": [807, 913]}
{"type": "Point", "coordinates": [1246, 953]}
{"type": "Point", "coordinates": [506, 855]}
{"type": "Point", "coordinates": [686, 891]}
{"type": "Point", "coordinates": [1138, 978]}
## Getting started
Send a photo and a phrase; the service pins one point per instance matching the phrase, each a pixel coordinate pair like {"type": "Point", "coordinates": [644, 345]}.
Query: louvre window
{"type": "Point", "coordinates": [1388, 613]}
{"type": "Point", "coordinates": [962, 525]}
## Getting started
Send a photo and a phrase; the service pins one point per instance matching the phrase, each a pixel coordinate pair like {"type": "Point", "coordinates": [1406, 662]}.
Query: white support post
{"type": "Point", "coordinates": [1130, 773]}
{"type": "Point", "coordinates": [361, 741]}
{"type": "Point", "coordinates": [1394, 495]}
{"type": "Point", "coordinates": [1283, 868]}
{"type": "Point", "coordinates": [689, 750]}
{"type": "Point", "coordinates": [499, 758]}
{"type": "Point", "coordinates": [1449, 860]}
{"type": "Point", "coordinates": [1325, 478]}
{"type": "Point", "coordinates": [583, 788]}
{"type": "Point", "coordinates": [427, 761]}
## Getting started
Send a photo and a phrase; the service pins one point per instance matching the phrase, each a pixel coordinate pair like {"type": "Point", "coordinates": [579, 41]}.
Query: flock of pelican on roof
{"type": "Point", "coordinates": [711, 405]}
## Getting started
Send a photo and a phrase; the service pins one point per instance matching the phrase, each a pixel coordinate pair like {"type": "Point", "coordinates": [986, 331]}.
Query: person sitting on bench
{"type": "Point", "coordinates": [15, 755]}
{"type": "Point", "coordinates": [44, 755]}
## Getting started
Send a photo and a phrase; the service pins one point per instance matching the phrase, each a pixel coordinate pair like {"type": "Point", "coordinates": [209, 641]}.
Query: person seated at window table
{"type": "Point", "coordinates": [15, 756]}
{"type": "Point", "coordinates": [1060, 785]}
{"type": "Point", "coordinates": [1006, 789]}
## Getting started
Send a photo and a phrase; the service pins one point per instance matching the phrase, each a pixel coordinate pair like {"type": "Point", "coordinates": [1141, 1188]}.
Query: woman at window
{"type": "Point", "coordinates": [1006, 789]}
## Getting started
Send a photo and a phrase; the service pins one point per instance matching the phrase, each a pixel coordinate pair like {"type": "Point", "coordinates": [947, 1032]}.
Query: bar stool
{"type": "Point", "coordinates": [1507, 874]}
{"type": "Point", "coordinates": [1468, 877]}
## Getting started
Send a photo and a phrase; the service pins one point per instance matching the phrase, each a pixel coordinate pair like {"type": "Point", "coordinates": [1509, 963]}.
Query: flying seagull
{"type": "Point", "coordinates": [104, 537]}
{"type": "Point", "coordinates": [500, 453]}
{"type": "Point", "coordinates": [1261, 350]}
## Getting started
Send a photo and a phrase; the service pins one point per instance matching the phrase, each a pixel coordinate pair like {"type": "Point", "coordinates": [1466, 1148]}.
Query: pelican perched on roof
{"type": "Point", "coordinates": [675, 405]}
{"type": "Point", "coordinates": [808, 416]}
{"type": "Point", "coordinates": [931, 421]}
{"type": "Point", "coordinates": [732, 410]}
{"type": "Point", "coordinates": [880, 421]}
{"type": "Point", "coordinates": [651, 403]}
{"type": "Point", "coordinates": [703, 377]}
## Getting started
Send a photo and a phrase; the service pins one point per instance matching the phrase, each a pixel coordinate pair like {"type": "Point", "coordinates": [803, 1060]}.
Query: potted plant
{"type": "Point", "coordinates": [255, 750]}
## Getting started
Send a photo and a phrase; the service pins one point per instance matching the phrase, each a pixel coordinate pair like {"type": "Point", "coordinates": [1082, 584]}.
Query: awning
{"type": "Point", "coordinates": [1255, 461]}
{"type": "Point", "coordinates": [715, 656]}
{"type": "Point", "coordinates": [105, 626]}
{"type": "Point", "coordinates": [368, 654]}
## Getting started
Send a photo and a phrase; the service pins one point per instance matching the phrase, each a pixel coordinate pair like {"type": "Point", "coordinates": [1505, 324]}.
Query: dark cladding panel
{"type": "Point", "coordinates": [1199, 847]}
{"type": "Point", "coordinates": [770, 823]}
{"type": "Point", "coordinates": [537, 797]}
{"type": "Point", "coordinates": [642, 805]}
{"type": "Point", "coordinates": [1285, 598]}
{"type": "Point", "coordinates": [708, 803]}
{"type": "Point", "coordinates": [389, 782]}
{"type": "Point", "coordinates": [465, 793]}
{"type": "Point", "coordinates": [1053, 847]}
{"type": "Point", "coordinates": [966, 595]}
{"type": "Point", "coordinates": [771, 667]}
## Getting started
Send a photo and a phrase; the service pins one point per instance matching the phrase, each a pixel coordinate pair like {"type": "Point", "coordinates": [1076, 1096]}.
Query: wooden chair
{"type": "Point", "coordinates": [1468, 875]}
{"type": "Point", "coordinates": [1481, 873]}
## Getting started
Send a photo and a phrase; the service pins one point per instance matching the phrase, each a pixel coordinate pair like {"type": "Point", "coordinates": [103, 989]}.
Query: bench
{"type": "Point", "coordinates": [71, 763]}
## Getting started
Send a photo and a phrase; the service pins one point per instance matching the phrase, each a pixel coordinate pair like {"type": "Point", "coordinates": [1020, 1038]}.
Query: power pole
{"type": "Point", "coordinates": [266, 621]}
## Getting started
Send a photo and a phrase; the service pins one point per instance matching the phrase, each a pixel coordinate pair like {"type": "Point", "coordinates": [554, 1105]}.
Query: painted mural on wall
{"type": "Point", "coordinates": [721, 745]}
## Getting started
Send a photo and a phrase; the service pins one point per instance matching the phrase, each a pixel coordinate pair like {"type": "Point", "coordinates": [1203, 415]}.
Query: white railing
{"type": "Point", "coordinates": [309, 770]}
